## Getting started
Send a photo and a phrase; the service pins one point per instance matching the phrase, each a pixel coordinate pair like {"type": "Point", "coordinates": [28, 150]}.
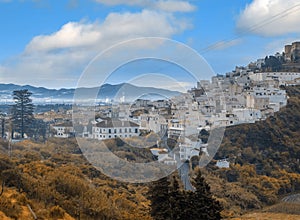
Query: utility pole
{"type": "Point", "coordinates": [3, 127]}
{"type": "Point", "coordinates": [9, 147]}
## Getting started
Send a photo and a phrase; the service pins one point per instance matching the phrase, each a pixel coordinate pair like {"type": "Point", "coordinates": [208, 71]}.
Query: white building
{"type": "Point", "coordinates": [164, 157]}
{"type": "Point", "coordinates": [175, 128]}
{"type": "Point", "coordinates": [155, 123]}
{"type": "Point", "coordinates": [223, 163]}
{"type": "Point", "coordinates": [276, 96]}
{"type": "Point", "coordinates": [113, 128]}
{"type": "Point", "coordinates": [63, 130]}
{"type": "Point", "coordinates": [246, 115]}
{"type": "Point", "coordinates": [282, 77]}
{"type": "Point", "coordinates": [188, 150]}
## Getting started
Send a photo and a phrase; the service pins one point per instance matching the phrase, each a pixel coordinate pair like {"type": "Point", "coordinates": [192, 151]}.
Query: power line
{"type": "Point", "coordinates": [253, 28]}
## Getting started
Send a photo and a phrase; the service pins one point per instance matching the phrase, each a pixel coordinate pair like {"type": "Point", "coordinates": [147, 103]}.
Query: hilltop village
{"type": "Point", "coordinates": [245, 95]}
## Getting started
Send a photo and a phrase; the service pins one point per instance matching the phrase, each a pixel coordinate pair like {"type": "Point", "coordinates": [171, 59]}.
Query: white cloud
{"type": "Point", "coordinates": [115, 28]}
{"type": "Point", "coordinates": [163, 5]}
{"type": "Point", "coordinates": [72, 34]}
{"type": "Point", "coordinates": [57, 59]}
{"type": "Point", "coordinates": [173, 6]}
{"type": "Point", "coordinates": [270, 17]}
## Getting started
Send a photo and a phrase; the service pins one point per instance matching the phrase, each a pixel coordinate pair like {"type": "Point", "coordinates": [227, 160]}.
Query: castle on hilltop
{"type": "Point", "coordinates": [292, 52]}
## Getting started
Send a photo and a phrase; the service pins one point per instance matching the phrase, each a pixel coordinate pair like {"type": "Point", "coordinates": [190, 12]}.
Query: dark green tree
{"type": "Point", "coordinates": [170, 202]}
{"type": "Point", "coordinates": [202, 204]}
{"type": "Point", "coordinates": [160, 199]}
{"type": "Point", "coordinates": [2, 119]}
{"type": "Point", "coordinates": [22, 112]}
{"type": "Point", "coordinates": [177, 201]}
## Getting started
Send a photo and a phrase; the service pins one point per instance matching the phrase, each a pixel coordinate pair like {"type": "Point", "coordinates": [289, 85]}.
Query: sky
{"type": "Point", "coordinates": [53, 43]}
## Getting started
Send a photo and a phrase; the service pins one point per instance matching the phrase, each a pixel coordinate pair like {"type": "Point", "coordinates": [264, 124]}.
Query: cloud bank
{"type": "Point", "coordinates": [57, 60]}
{"type": "Point", "coordinates": [163, 5]}
{"type": "Point", "coordinates": [270, 18]}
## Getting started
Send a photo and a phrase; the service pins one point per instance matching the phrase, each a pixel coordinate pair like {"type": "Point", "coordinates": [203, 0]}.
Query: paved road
{"type": "Point", "coordinates": [183, 170]}
{"type": "Point", "coordinates": [184, 175]}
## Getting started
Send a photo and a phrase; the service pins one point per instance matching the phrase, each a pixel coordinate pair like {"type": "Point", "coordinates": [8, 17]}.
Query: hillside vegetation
{"type": "Point", "coordinates": [57, 182]}
{"type": "Point", "coordinates": [264, 160]}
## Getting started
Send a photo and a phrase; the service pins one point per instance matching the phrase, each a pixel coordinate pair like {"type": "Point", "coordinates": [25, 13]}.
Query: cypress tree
{"type": "Point", "coordinates": [204, 206]}
{"type": "Point", "coordinates": [177, 200]}
{"type": "Point", "coordinates": [159, 197]}
{"type": "Point", "coordinates": [22, 111]}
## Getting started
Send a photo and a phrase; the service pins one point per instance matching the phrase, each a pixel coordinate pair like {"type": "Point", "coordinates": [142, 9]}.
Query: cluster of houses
{"type": "Point", "coordinates": [244, 95]}
{"type": "Point", "coordinates": [241, 96]}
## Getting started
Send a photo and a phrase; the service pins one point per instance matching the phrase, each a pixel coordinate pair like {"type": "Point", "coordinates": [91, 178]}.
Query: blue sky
{"type": "Point", "coordinates": [50, 43]}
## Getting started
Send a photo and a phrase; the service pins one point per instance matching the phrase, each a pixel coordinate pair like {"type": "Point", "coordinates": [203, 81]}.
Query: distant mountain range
{"type": "Point", "coordinates": [106, 92]}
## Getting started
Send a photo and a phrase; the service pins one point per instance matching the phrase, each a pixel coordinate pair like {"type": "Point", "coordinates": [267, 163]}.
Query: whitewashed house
{"type": "Point", "coordinates": [187, 151]}
{"type": "Point", "coordinates": [246, 115]}
{"type": "Point", "coordinates": [276, 96]}
{"type": "Point", "coordinates": [282, 77]}
{"type": "Point", "coordinates": [64, 130]}
{"type": "Point", "coordinates": [175, 128]}
{"type": "Point", "coordinates": [167, 159]}
{"type": "Point", "coordinates": [155, 123]}
{"type": "Point", "coordinates": [113, 128]}
{"type": "Point", "coordinates": [224, 163]}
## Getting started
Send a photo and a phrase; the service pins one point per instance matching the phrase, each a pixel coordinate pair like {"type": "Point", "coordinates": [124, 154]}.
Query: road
{"type": "Point", "coordinates": [183, 169]}
{"type": "Point", "coordinates": [184, 175]}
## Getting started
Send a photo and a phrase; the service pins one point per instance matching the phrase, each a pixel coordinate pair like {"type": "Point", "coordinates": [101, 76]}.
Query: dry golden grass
{"type": "Point", "coordinates": [285, 207]}
{"type": "Point", "coordinates": [3, 216]}
{"type": "Point", "coordinates": [268, 216]}
{"type": "Point", "coordinates": [11, 196]}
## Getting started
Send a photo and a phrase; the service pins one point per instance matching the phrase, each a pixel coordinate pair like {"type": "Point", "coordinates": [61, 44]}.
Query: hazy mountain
{"type": "Point", "coordinates": [106, 91]}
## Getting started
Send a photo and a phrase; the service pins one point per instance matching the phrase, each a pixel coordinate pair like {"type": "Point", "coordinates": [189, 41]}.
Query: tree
{"type": "Point", "coordinates": [2, 119]}
{"type": "Point", "coordinates": [203, 205]}
{"type": "Point", "coordinates": [177, 201]}
{"type": "Point", "coordinates": [160, 199]}
{"type": "Point", "coordinates": [170, 202]}
{"type": "Point", "coordinates": [22, 111]}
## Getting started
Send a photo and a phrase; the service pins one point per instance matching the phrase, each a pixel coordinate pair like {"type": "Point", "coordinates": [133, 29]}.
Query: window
{"type": "Point", "coordinates": [136, 130]}
{"type": "Point", "coordinates": [109, 131]}
{"type": "Point", "coordinates": [120, 130]}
